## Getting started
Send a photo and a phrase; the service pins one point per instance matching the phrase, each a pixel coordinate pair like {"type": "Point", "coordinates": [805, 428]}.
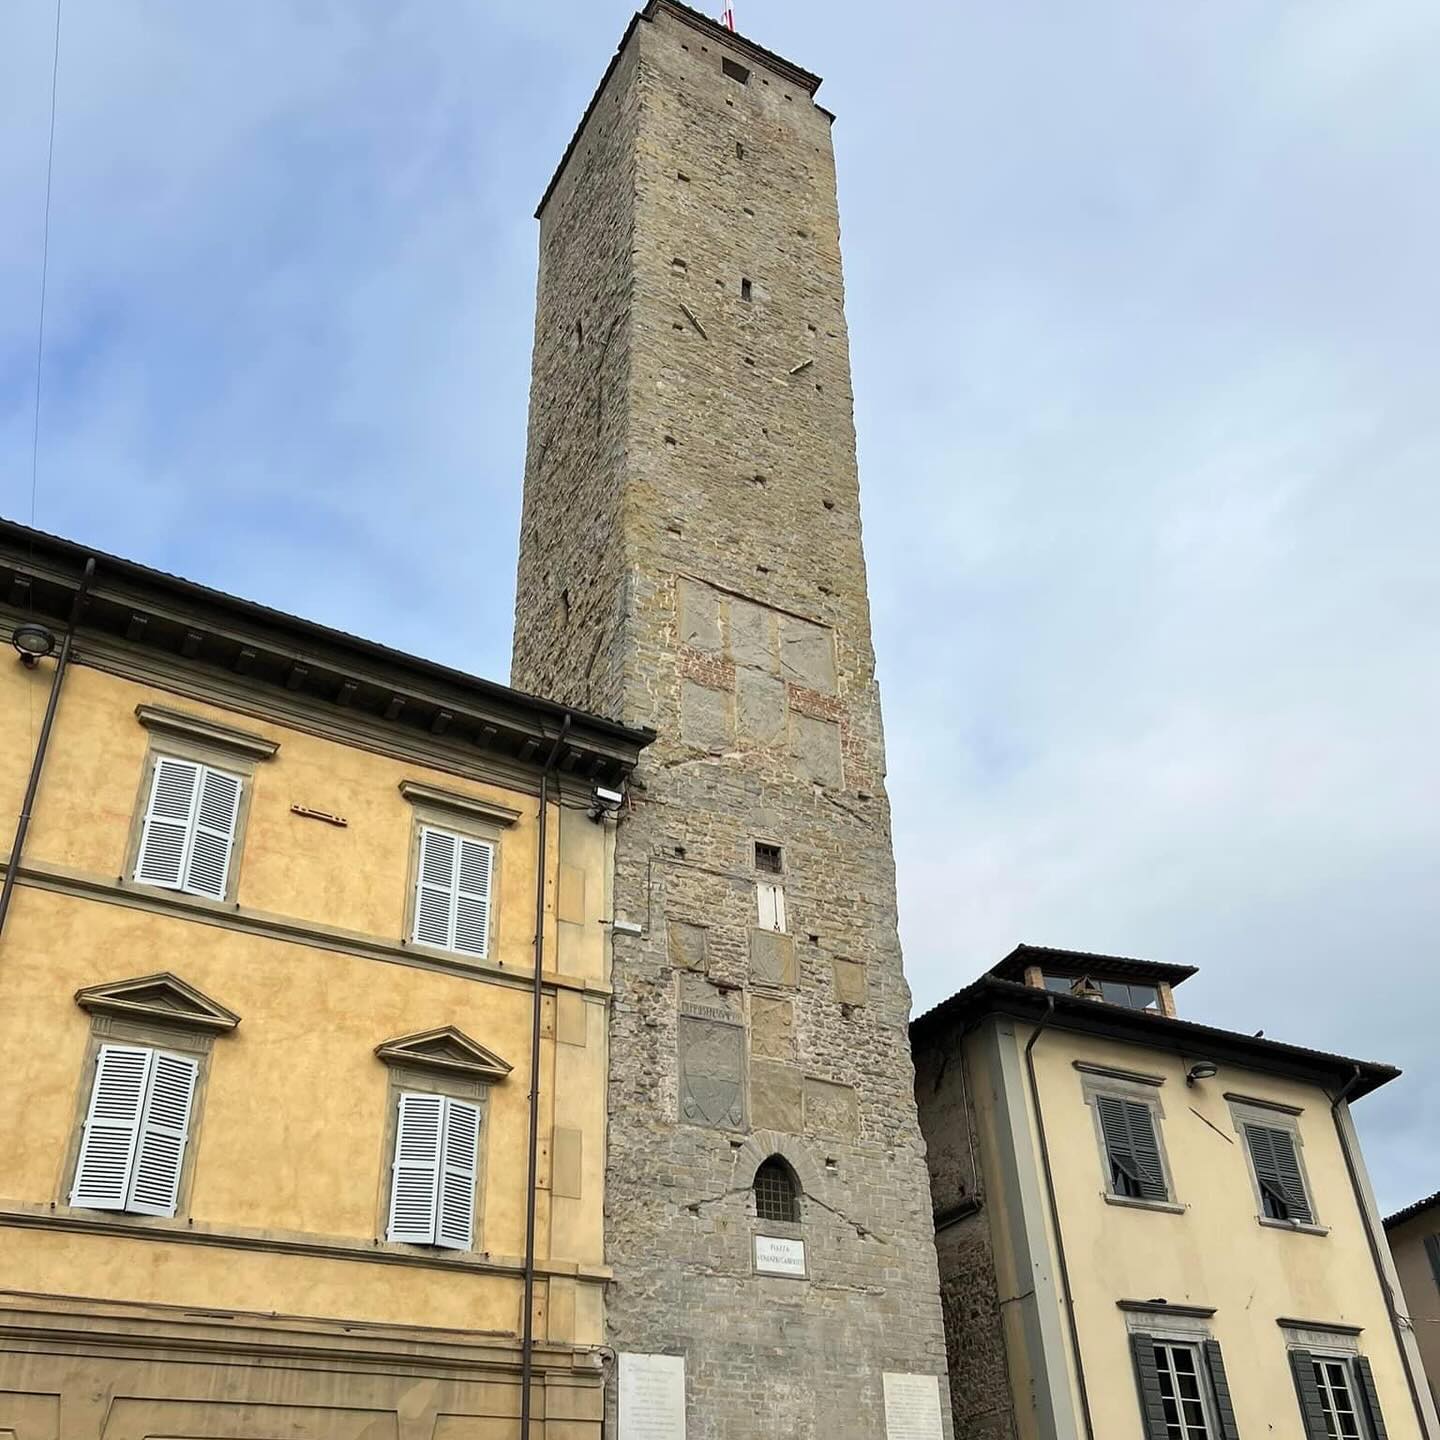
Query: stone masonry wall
{"type": "Point", "coordinates": [727, 608]}
{"type": "Point", "coordinates": [974, 1331]}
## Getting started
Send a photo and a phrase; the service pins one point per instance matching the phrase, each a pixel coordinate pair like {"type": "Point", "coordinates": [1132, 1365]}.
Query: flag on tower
{"type": "Point", "coordinates": [728, 18]}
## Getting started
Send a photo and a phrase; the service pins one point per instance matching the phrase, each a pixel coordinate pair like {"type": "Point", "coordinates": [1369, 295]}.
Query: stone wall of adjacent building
{"type": "Point", "coordinates": [980, 1382]}
{"type": "Point", "coordinates": [727, 608]}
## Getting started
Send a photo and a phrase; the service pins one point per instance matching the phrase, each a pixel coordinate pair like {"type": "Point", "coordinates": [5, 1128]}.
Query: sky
{"type": "Point", "coordinates": [1144, 311]}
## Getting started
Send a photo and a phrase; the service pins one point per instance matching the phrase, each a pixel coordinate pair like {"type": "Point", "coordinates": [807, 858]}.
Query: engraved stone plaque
{"type": "Point", "coordinates": [712, 1073]}
{"type": "Point", "coordinates": [912, 1407]}
{"type": "Point", "coordinates": [772, 1029]}
{"type": "Point", "coordinates": [815, 745]}
{"type": "Point", "coordinates": [689, 949]}
{"type": "Point", "coordinates": [830, 1110]}
{"type": "Point", "coordinates": [777, 1256]}
{"type": "Point", "coordinates": [652, 1397]}
{"type": "Point", "coordinates": [850, 987]}
{"type": "Point", "coordinates": [772, 958]}
{"type": "Point", "coordinates": [775, 1097]}
{"type": "Point", "coordinates": [807, 654]}
{"type": "Point", "coordinates": [707, 718]}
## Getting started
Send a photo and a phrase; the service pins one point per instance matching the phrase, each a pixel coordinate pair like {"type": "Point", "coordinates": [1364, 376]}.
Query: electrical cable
{"type": "Point", "coordinates": [44, 269]}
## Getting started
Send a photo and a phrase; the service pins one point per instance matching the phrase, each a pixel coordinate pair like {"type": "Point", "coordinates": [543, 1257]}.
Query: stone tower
{"type": "Point", "coordinates": [690, 560]}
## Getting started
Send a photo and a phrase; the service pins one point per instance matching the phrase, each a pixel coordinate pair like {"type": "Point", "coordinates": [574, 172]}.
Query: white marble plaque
{"type": "Point", "coordinates": [652, 1397]}
{"type": "Point", "coordinates": [912, 1407]}
{"type": "Point", "coordinates": [774, 1256]}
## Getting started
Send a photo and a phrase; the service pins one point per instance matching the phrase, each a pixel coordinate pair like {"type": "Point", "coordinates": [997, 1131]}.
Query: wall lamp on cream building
{"type": "Point", "coordinates": [33, 642]}
{"type": "Point", "coordinates": [605, 803]}
{"type": "Point", "coordinates": [1201, 1070]}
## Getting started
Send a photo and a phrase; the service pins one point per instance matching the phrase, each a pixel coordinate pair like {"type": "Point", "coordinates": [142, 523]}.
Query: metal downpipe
{"type": "Point", "coordinates": [527, 1341]}
{"type": "Point", "coordinates": [1055, 1218]}
{"type": "Point", "coordinates": [27, 807]}
{"type": "Point", "coordinates": [1352, 1170]}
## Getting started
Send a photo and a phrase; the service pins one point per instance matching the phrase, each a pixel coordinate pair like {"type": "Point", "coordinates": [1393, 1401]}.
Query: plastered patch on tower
{"type": "Point", "coordinates": [691, 561]}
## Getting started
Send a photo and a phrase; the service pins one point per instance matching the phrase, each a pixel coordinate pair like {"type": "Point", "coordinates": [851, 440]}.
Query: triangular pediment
{"type": "Point", "coordinates": [163, 997]}
{"type": "Point", "coordinates": [446, 1049]}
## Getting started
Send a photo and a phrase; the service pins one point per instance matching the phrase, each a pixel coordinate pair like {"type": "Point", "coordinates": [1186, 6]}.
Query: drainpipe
{"type": "Point", "coordinates": [1352, 1169]}
{"type": "Point", "coordinates": [27, 807]}
{"type": "Point", "coordinates": [1055, 1217]}
{"type": "Point", "coordinates": [527, 1342]}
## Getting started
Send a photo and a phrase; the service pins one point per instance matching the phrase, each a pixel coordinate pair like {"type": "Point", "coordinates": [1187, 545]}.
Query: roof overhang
{"type": "Point", "coordinates": [990, 996]}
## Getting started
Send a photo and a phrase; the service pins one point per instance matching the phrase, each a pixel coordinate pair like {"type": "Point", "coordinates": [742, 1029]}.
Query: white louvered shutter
{"type": "Point", "coordinates": [213, 833]}
{"type": "Point", "coordinates": [164, 1129]}
{"type": "Point", "coordinates": [435, 888]}
{"type": "Point", "coordinates": [472, 897]}
{"type": "Point", "coordinates": [455, 1222]}
{"type": "Point", "coordinates": [770, 900]}
{"type": "Point", "coordinates": [415, 1175]}
{"type": "Point", "coordinates": [112, 1126]}
{"type": "Point", "coordinates": [165, 840]}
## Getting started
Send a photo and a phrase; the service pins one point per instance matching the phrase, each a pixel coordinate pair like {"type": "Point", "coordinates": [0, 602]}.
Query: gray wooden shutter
{"type": "Point", "coordinates": [415, 1173]}
{"type": "Point", "coordinates": [1129, 1130]}
{"type": "Point", "coordinates": [460, 1148]}
{"type": "Point", "coordinates": [207, 866]}
{"type": "Point", "coordinates": [165, 838]}
{"type": "Point", "coordinates": [1272, 1152]}
{"type": "Point", "coordinates": [1432, 1250]}
{"type": "Point", "coordinates": [1147, 1376]}
{"type": "Point", "coordinates": [112, 1127]}
{"type": "Point", "coordinates": [1225, 1409]}
{"type": "Point", "coordinates": [1370, 1397]}
{"type": "Point", "coordinates": [434, 888]}
{"type": "Point", "coordinates": [472, 896]}
{"type": "Point", "coordinates": [164, 1129]}
{"type": "Point", "coordinates": [1312, 1414]}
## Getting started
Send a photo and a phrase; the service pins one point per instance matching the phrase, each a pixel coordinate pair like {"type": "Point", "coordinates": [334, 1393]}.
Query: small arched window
{"type": "Point", "coordinates": [776, 1196]}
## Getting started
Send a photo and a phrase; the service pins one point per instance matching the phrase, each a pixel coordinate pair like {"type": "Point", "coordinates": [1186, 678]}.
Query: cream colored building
{"type": "Point", "coordinates": [268, 1002]}
{"type": "Point", "coordinates": [1149, 1229]}
{"type": "Point", "coordinates": [1414, 1236]}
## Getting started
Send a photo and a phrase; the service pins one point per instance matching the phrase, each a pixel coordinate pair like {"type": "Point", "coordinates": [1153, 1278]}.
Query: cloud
{"type": "Point", "coordinates": [1143, 307]}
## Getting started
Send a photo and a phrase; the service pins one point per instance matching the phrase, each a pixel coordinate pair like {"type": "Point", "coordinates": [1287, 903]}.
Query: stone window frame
{"type": "Point", "coordinates": [470, 818]}
{"type": "Point", "coordinates": [1098, 1080]}
{"type": "Point", "coordinates": [115, 1023]}
{"type": "Point", "coordinates": [179, 735]}
{"type": "Point", "coordinates": [758, 1147]}
{"type": "Point", "coordinates": [1274, 1116]}
{"type": "Point", "coordinates": [411, 1076]}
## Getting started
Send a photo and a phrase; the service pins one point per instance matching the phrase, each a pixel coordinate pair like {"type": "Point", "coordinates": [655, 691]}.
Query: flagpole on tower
{"type": "Point", "coordinates": [727, 19]}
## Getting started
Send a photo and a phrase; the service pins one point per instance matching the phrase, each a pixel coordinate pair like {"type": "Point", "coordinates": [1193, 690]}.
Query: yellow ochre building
{"type": "Point", "coordinates": [268, 1007]}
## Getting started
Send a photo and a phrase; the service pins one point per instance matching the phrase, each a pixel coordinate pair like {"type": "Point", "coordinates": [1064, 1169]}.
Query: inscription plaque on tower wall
{"type": "Point", "coordinates": [912, 1407]}
{"type": "Point", "coordinates": [652, 1397]}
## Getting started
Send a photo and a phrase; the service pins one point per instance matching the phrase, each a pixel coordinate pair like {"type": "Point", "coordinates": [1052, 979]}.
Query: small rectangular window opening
{"type": "Point", "coordinates": [735, 72]}
{"type": "Point", "coordinates": [746, 290]}
{"type": "Point", "coordinates": [769, 858]}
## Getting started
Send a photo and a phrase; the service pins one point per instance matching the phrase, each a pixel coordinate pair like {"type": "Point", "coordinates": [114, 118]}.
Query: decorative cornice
{"type": "Point", "coordinates": [1113, 1072]}
{"type": "Point", "coordinates": [1163, 1307]}
{"type": "Point", "coordinates": [446, 1049]}
{"type": "Point", "coordinates": [162, 998]}
{"type": "Point", "coordinates": [1256, 1103]}
{"type": "Point", "coordinates": [1286, 1322]}
{"type": "Point", "coordinates": [468, 805]}
{"type": "Point", "coordinates": [206, 732]}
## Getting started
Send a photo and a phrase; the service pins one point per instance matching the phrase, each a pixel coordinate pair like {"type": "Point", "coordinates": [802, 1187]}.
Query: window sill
{"type": "Point", "coordinates": [1295, 1226]}
{"type": "Point", "coordinates": [1167, 1207]}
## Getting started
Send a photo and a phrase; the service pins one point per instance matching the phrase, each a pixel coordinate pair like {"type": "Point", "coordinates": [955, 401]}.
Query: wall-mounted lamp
{"type": "Point", "coordinates": [33, 642]}
{"type": "Point", "coordinates": [1201, 1070]}
{"type": "Point", "coordinates": [604, 803]}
